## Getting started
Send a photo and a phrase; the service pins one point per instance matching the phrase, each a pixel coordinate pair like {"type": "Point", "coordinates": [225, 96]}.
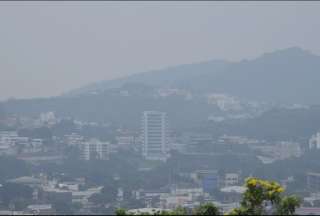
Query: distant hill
{"type": "Point", "coordinates": [285, 76]}
{"type": "Point", "coordinates": [120, 110]}
{"type": "Point", "coordinates": [276, 124]}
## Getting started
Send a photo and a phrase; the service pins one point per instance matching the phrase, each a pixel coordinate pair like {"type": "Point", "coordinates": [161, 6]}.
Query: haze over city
{"type": "Point", "coordinates": [159, 108]}
{"type": "Point", "coordinates": [48, 48]}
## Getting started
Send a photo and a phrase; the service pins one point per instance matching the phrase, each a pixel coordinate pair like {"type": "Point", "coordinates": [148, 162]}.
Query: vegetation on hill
{"type": "Point", "coordinates": [263, 79]}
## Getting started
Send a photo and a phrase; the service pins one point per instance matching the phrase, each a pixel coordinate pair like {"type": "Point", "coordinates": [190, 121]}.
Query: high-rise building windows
{"type": "Point", "coordinates": [154, 135]}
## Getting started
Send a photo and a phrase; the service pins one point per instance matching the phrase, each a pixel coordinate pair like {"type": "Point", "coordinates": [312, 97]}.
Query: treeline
{"type": "Point", "coordinates": [258, 193]}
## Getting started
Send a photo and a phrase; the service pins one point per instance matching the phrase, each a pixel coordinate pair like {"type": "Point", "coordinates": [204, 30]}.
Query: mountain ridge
{"type": "Point", "coordinates": [272, 77]}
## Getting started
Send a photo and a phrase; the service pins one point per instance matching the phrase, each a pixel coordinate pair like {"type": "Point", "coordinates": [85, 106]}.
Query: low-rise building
{"type": "Point", "coordinates": [232, 194]}
{"type": "Point", "coordinates": [83, 196]}
{"type": "Point", "coordinates": [279, 151]}
{"type": "Point", "coordinates": [181, 195]}
{"type": "Point", "coordinates": [125, 141]}
{"type": "Point", "coordinates": [224, 102]}
{"type": "Point", "coordinates": [286, 150]}
{"type": "Point", "coordinates": [314, 141]}
{"type": "Point", "coordinates": [196, 141]}
{"type": "Point", "coordinates": [95, 149]}
{"type": "Point", "coordinates": [8, 137]}
{"type": "Point", "coordinates": [145, 211]}
{"type": "Point", "coordinates": [313, 182]}
{"type": "Point", "coordinates": [27, 180]}
{"type": "Point", "coordinates": [40, 209]}
{"type": "Point", "coordinates": [172, 201]}
{"type": "Point", "coordinates": [73, 139]}
{"type": "Point", "coordinates": [209, 179]}
{"type": "Point", "coordinates": [48, 118]}
{"type": "Point", "coordinates": [56, 194]}
{"type": "Point", "coordinates": [231, 179]}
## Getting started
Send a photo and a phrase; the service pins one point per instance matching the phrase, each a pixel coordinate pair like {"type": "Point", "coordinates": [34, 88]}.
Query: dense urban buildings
{"type": "Point", "coordinates": [94, 160]}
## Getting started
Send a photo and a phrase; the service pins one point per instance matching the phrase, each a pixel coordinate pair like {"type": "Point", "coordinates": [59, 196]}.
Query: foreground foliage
{"type": "Point", "coordinates": [260, 198]}
{"type": "Point", "coordinates": [265, 197]}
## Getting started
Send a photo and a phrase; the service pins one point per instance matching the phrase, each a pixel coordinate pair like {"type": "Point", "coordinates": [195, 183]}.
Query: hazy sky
{"type": "Point", "coordinates": [47, 48]}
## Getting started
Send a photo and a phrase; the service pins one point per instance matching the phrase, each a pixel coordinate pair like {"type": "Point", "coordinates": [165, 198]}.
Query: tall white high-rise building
{"type": "Point", "coordinates": [154, 136]}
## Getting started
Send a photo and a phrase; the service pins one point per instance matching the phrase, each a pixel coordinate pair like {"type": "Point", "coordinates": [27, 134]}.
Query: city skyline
{"type": "Point", "coordinates": [159, 108]}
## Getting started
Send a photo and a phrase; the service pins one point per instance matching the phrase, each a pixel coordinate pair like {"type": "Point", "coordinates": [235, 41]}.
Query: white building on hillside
{"type": "Point", "coordinates": [314, 141]}
{"type": "Point", "coordinates": [73, 139]}
{"type": "Point", "coordinates": [286, 150]}
{"type": "Point", "coordinates": [48, 118]}
{"type": "Point", "coordinates": [8, 137]}
{"type": "Point", "coordinates": [95, 149]}
{"type": "Point", "coordinates": [231, 179]}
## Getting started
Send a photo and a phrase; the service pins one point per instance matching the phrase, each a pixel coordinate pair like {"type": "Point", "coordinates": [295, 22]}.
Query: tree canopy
{"type": "Point", "coordinates": [260, 198]}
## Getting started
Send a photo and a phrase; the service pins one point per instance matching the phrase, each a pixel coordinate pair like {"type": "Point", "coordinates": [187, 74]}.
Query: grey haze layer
{"type": "Point", "coordinates": [49, 48]}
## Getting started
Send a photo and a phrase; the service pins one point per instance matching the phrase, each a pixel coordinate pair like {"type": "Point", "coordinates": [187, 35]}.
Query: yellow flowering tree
{"type": "Point", "coordinates": [265, 197]}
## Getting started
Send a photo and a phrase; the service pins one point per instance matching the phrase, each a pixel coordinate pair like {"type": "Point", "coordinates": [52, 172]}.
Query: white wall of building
{"type": "Point", "coordinates": [154, 135]}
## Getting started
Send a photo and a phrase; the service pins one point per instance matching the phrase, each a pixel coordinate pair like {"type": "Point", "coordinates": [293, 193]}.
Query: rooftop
{"type": "Point", "coordinates": [146, 210]}
{"type": "Point", "coordinates": [233, 189]}
{"type": "Point", "coordinates": [25, 180]}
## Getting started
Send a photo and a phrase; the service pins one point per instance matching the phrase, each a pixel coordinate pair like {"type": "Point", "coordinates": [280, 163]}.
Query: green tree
{"type": "Point", "coordinates": [121, 212]}
{"type": "Point", "coordinates": [288, 205]}
{"type": "Point", "coordinates": [206, 209]}
{"type": "Point", "coordinates": [259, 193]}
